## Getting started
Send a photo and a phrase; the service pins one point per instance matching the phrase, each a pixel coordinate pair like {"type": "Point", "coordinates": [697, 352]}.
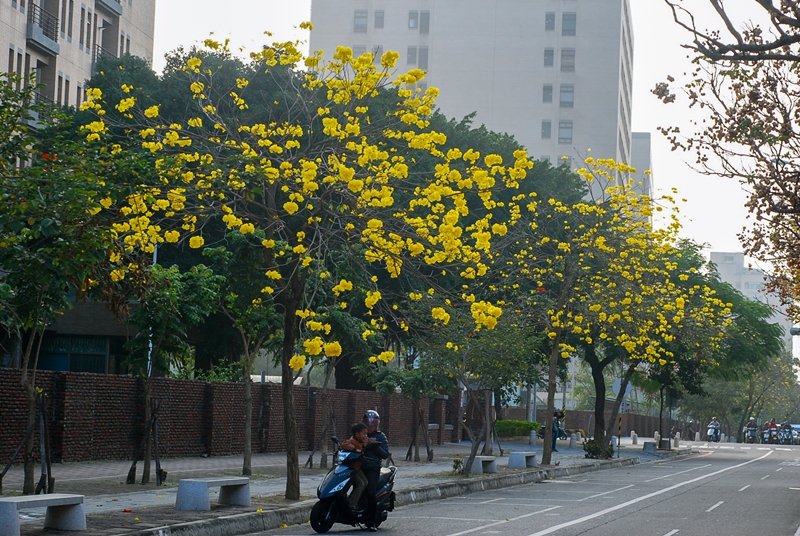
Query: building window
{"type": "Point", "coordinates": [566, 96]}
{"type": "Point", "coordinates": [11, 54]}
{"type": "Point", "coordinates": [424, 22]}
{"type": "Point", "coordinates": [569, 23]}
{"type": "Point", "coordinates": [82, 35]}
{"type": "Point", "coordinates": [565, 132]}
{"type": "Point", "coordinates": [358, 50]}
{"type": "Point", "coordinates": [567, 60]}
{"type": "Point", "coordinates": [379, 19]}
{"type": "Point", "coordinates": [547, 129]}
{"type": "Point", "coordinates": [413, 20]}
{"type": "Point", "coordinates": [411, 56]}
{"type": "Point", "coordinates": [63, 18]}
{"type": "Point", "coordinates": [70, 16]}
{"type": "Point", "coordinates": [549, 57]}
{"type": "Point", "coordinates": [360, 20]}
{"type": "Point", "coordinates": [547, 93]}
{"type": "Point", "coordinates": [550, 22]}
{"type": "Point", "coordinates": [422, 58]}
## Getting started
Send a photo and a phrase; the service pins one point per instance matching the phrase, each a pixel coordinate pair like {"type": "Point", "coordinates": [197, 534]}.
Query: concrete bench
{"type": "Point", "coordinates": [521, 460]}
{"type": "Point", "coordinates": [484, 464]}
{"type": "Point", "coordinates": [64, 512]}
{"type": "Point", "coordinates": [193, 493]}
{"type": "Point", "coordinates": [649, 447]}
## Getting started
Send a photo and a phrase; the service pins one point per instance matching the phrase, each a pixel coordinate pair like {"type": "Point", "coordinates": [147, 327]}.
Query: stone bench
{"type": "Point", "coordinates": [649, 447]}
{"type": "Point", "coordinates": [64, 512]}
{"type": "Point", "coordinates": [484, 464]}
{"type": "Point", "coordinates": [193, 493]}
{"type": "Point", "coordinates": [521, 460]}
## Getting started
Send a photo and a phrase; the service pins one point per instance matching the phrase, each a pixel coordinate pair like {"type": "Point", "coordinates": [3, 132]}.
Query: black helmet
{"type": "Point", "coordinates": [371, 415]}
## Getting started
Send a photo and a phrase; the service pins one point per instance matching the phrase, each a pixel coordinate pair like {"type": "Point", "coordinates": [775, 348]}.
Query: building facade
{"type": "Point", "coordinates": [733, 269]}
{"type": "Point", "coordinates": [556, 74]}
{"type": "Point", "coordinates": [60, 41]}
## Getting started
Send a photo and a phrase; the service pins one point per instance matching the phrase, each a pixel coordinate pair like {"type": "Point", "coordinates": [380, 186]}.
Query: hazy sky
{"type": "Point", "coordinates": [714, 211]}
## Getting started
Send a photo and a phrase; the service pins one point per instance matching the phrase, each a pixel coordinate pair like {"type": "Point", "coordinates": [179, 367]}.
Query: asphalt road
{"type": "Point", "coordinates": [736, 490]}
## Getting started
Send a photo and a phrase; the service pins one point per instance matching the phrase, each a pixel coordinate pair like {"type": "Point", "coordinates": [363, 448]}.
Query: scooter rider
{"type": "Point", "coordinates": [715, 426]}
{"type": "Point", "coordinates": [376, 451]}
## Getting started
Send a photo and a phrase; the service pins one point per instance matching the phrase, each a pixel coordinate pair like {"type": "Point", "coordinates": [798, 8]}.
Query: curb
{"type": "Point", "coordinates": [251, 522]}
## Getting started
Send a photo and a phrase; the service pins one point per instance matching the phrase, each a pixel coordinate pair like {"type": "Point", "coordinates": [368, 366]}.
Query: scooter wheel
{"type": "Point", "coordinates": [322, 517]}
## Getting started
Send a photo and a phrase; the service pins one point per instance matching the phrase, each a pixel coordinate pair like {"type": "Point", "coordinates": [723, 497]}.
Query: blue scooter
{"type": "Point", "coordinates": [332, 492]}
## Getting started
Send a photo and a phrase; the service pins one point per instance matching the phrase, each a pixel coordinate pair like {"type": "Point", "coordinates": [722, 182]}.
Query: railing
{"type": "Point", "coordinates": [44, 20]}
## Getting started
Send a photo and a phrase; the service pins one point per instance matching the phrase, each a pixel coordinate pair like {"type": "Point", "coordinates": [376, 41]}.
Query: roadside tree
{"type": "Point", "coordinates": [312, 179]}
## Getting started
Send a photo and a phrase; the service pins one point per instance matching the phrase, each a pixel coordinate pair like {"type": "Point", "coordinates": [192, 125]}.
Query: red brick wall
{"type": "Point", "coordinates": [99, 416]}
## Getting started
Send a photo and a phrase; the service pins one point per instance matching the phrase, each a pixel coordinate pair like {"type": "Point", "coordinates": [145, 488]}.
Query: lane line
{"type": "Point", "coordinates": [504, 521]}
{"type": "Point", "coordinates": [604, 493]}
{"type": "Point", "coordinates": [778, 469]}
{"type": "Point", "coordinates": [765, 477]}
{"type": "Point", "coordinates": [744, 488]}
{"type": "Point", "coordinates": [670, 533]}
{"type": "Point", "coordinates": [716, 505]}
{"type": "Point", "coordinates": [679, 472]}
{"type": "Point", "coordinates": [620, 506]}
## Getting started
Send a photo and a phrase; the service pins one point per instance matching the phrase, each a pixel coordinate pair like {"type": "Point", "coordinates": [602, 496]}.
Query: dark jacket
{"type": "Point", "coordinates": [375, 453]}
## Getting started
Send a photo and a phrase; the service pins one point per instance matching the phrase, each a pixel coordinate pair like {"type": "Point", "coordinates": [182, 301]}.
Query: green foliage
{"type": "Point", "coordinates": [598, 450]}
{"type": "Point", "coordinates": [509, 428]}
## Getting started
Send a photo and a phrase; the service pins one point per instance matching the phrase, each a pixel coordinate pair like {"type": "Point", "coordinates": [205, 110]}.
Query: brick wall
{"type": "Point", "coordinates": [99, 416]}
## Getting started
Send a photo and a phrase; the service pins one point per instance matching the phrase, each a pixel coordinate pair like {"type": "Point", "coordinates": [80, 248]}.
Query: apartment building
{"type": "Point", "coordinates": [557, 74]}
{"type": "Point", "coordinates": [60, 41]}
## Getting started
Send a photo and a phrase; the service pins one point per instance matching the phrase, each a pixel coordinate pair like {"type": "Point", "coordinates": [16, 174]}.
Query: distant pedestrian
{"type": "Point", "coordinates": [558, 418]}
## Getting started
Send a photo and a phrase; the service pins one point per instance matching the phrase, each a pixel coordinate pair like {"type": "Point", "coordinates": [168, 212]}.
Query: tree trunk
{"type": "Point", "coordinates": [148, 416]}
{"type": "Point", "coordinates": [247, 461]}
{"type": "Point", "coordinates": [552, 373]}
{"type": "Point", "coordinates": [599, 381]}
{"type": "Point", "coordinates": [626, 378]}
{"type": "Point", "coordinates": [29, 384]}
{"type": "Point", "coordinates": [488, 446]}
{"type": "Point", "coordinates": [290, 329]}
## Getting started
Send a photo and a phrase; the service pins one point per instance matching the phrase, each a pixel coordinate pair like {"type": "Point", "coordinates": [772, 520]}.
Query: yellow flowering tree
{"type": "Point", "coordinates": [315, 179]}
{"type": "Point", "coordinates": [603, 280]}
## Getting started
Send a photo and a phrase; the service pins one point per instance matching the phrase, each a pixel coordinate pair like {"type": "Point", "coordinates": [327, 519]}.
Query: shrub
{"type": "Point", "coordinates": [508, 428]}
{"type": "Point", "coordinates": [596, 450]}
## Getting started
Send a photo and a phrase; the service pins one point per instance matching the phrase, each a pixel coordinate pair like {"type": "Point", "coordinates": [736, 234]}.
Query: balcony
{"type": "Point", "coordinates": [99, 53]}
{"type": "Point", "coordinates": [42, 32]}
{"type": "Point", "coordinates": [113, 7]}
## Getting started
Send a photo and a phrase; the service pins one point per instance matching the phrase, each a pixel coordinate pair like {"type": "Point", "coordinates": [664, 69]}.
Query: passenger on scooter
{"type": "Point", "coordinates": [376, 451]}
{"type": "Point", "coordinates": [357, 442]}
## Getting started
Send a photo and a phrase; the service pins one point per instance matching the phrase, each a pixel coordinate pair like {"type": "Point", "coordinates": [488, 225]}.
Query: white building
{"type": "Point", "coordinates": [750, 282]}
{"type": "Point", "coordinates": [556, 74]}
{"type": "Point", "coordinates": [60, 40]}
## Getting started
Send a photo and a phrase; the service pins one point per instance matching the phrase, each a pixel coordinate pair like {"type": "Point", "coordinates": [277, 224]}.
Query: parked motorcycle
{"type": "Point", "coordinates": [332, 492]}
{"type": "Point", "coordinates": [562, 433]}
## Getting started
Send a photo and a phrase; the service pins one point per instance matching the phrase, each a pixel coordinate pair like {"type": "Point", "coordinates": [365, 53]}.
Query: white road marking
{"type": "Point", "coordinates": [670, 533]}
{"type": "Point", "coordinates": [715, 506]}
{"type": "Point", "coordinates": [604, 493]}
{"type": "Point", "coordinates": [744, 488]}
{"type": "Point", "coordinates": [641, 498]}
{"type": "Point", "coordinates": [679, 472]}
{"type": "Point", "coordinates": [778, 469]}
{"type": "Point", "coordinates": [504, 521]}
{"type": "Point", "coordinates": [765, 477]}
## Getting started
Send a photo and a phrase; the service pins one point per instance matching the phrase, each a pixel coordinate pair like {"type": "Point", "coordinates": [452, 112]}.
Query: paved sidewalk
{"type": "Point", "coordinates": [115, 508]}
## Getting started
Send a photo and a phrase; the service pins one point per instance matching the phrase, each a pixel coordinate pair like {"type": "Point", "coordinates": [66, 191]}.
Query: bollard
{"type": "Point", "coordinates": [572, 441]}
{"type": "Point", "coordinates": [656, 437]}
{"type": "Point", "coordinates": [634, 438]}
{"type": "Point", "coordinates": [697, 436]}
{"type": "Point", "coordinates": [677, 441]}
{"type": "Point", "coordinates": [722, 438]}
{"type": "Point", "coordinates": [613, 441]}
{"type": "Point", "coordinates": [578, 437]}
